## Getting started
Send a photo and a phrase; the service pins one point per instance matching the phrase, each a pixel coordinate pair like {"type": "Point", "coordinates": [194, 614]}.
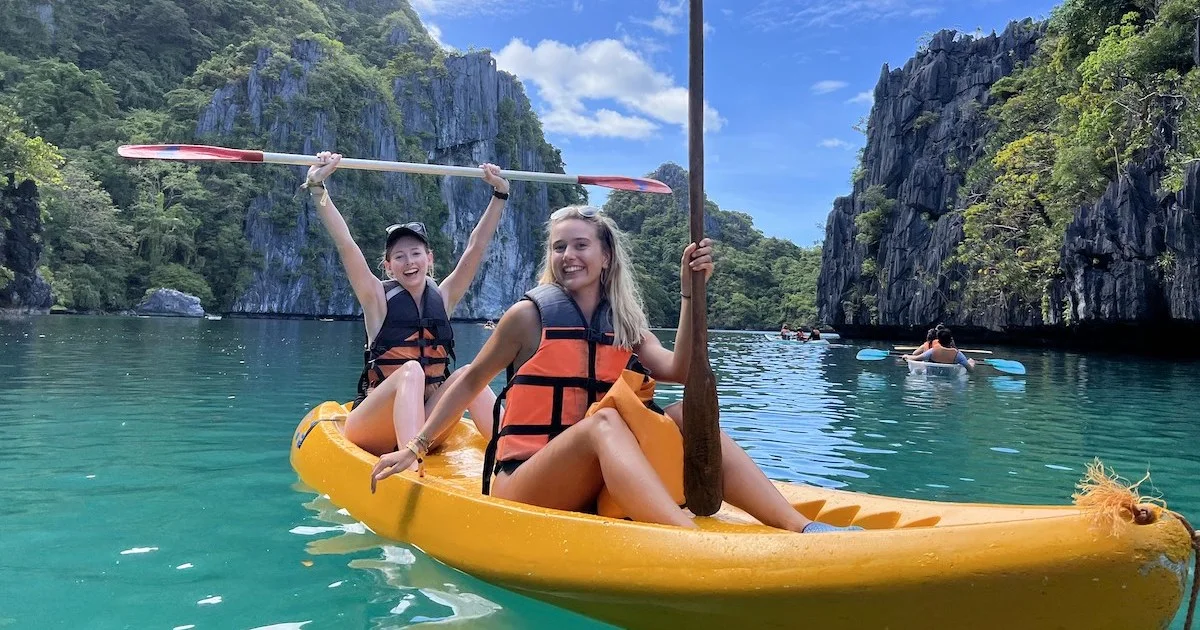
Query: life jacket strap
{"type": "Point", "coordinates": [582, 334]}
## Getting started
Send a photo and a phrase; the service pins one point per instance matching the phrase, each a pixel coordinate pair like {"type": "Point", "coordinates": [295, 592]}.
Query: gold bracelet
{"type": "Point", "coordinates": [418, 447]}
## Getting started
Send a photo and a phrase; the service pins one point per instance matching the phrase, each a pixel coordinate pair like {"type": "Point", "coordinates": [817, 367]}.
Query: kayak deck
{"type": "Point", "coordinates": [920, 564]}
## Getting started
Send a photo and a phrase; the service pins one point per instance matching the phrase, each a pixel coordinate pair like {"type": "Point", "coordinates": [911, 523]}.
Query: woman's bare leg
{"type": "Point", "coordinates": [391, 414]}
{"type": "Point", "coordinates": [567, 474]}
{"type": "Point", "coordinates": [747, 487]}
{"type": "Point", "coordinates": [480, 407]}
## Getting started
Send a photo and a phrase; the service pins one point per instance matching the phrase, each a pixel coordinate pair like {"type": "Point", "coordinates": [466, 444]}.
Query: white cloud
{"type": "Point", "coordinates": [667, 7]}
{"type": "Point", "coordinates": [781, 14]}
{"type": "Point", "coordinates": [708, 29]}
{"type": "Point", "coordinates": [661, 23]}
{"type": "Point", "coordinates": [603, 123]}
{"type": "Point", "coordinates": [577, 6]}
{"type": "Point", "coordinates": [921, 12]}
{"type": "Point", "coordinates": [863, 97]}
{"type": "Point", "coordinates": [827, 86]}
{"type": "Point", "coordinates": [727, 12]}
{"type": "Point", "coordinates": [648, 46]}
{"type": "Point", "coordinates": [603, 70]}
{"type": "Point", "coordinates": [834, 143]}
{"type": "Point", "coordinates": [436, 33]}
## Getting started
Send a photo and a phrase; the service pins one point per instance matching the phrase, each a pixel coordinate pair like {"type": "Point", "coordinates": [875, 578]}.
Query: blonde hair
{"type": "Point", "coordinates": [618, 285]}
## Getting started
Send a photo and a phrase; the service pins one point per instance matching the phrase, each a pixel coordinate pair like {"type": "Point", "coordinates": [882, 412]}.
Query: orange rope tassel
{"type": "Point", "coordinates": [1114, 500]}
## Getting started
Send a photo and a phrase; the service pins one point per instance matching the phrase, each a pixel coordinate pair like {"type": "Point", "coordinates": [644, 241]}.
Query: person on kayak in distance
{"type": "Point", "coordinates": [409, 339]}
{"type": "Point", "coordinates": [784, 333]}
{"type": "Point", "coordinates": [587, 277]}
{"type": "Point", "coordinates": [943, 351]}
{"type": "Point", "coordinates": [930, 341]}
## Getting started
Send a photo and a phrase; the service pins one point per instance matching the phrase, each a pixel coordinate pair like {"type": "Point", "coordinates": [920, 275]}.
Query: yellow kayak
{"type": "Point", "coordinates": [921, 564]}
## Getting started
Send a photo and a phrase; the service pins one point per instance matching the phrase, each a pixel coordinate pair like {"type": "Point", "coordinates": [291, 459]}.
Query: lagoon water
{"type": "Point", "coordinates": [144, 463]}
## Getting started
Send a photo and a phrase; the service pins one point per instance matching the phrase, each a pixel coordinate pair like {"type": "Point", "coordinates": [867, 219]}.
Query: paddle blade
{"type": "Point", "coordinates": [188, 152]}
{"type": "Point", "coordinates": [634, 184]}
{"type": "Point", "coordinates": [1006, 365]}
{"type": "Point", "coordinates": [872, 354]}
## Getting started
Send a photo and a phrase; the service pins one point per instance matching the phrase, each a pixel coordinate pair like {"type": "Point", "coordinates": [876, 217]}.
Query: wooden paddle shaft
{"type": "Point", "coordinates": [702, 479]}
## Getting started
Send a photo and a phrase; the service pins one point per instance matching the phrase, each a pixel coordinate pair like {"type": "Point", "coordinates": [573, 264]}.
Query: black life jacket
{"type": "Point", "coordinates": [406, 336]}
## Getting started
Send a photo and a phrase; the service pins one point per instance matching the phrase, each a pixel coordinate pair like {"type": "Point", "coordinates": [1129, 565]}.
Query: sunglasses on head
{"type": "Point", "coordinates": [415, 226]}
{"type": "Point", "coordinates": [586, 212]}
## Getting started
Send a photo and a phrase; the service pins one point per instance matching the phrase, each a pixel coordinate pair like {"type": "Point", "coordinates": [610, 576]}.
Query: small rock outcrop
{"type": "Point", "coordinates": [170, 303]}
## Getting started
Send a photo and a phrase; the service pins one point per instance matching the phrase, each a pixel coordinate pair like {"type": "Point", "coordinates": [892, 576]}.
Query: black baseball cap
{"type": "Point", "coordinates": [415, 228]}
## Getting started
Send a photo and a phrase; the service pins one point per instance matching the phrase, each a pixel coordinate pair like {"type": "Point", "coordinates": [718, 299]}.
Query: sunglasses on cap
{"type": "Point", "coordinates": [415, 226]}
{"type": "Point", "coordinates": [586, 212]}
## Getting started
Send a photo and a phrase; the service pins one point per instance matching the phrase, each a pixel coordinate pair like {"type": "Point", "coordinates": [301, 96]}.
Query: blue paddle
{"type": "Point", "coordinates": [1007, 366]}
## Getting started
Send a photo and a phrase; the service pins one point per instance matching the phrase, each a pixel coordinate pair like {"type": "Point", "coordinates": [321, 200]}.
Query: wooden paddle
{"type": "Point", "coordinates": [701, 428]}
{"type": "Point", "coordinates": [911, 348]}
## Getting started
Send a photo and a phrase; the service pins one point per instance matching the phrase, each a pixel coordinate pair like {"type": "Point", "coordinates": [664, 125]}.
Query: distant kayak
{"type": "Point", "coordinates": [771, 337]}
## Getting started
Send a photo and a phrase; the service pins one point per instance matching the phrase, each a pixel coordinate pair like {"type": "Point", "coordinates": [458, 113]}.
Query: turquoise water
{"type": "Point", "coordinates": [145, 468]}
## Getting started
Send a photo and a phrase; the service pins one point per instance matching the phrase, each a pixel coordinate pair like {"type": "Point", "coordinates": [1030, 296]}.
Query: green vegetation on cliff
{"type": "Point", "coordinates": [78, 79]}
{"type": "Point", "coordinates": [760, 281]}
{"type": "Point", "coordinates": [1113, 82]}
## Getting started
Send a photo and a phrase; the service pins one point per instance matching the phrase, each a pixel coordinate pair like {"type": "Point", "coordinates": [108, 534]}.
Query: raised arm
{"type": "Point", "coordinates": [365, 283]}
{"type": "Point", "coordinates": [501, 349]}
{"type": "Point", "coordinates": [456, 284]}
{"type": "Point", "coordinates": [664, 364]}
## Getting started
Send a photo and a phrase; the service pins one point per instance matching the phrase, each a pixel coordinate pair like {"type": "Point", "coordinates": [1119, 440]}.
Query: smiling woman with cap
{"type": "Point", "coordinates": [409, 339]}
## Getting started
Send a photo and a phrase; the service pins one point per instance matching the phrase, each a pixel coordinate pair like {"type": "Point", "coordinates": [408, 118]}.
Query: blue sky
{"type": "Point", "coordinates": [785, 82]}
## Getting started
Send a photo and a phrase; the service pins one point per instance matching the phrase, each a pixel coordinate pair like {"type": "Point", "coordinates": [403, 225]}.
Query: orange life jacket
{"type": "Point", "coordinates": [574, 365]}
{"type": "Point", "coordinates": [406, 336]}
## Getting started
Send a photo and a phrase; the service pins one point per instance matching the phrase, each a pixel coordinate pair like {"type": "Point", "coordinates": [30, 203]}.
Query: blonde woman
{"type": "Point", "coordinates": [586, 318]}
{"type": "Point", "coordinates": [409, 339]}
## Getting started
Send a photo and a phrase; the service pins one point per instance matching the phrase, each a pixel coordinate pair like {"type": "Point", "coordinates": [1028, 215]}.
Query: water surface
{"type": "Point", "coordinates": [146, 478]}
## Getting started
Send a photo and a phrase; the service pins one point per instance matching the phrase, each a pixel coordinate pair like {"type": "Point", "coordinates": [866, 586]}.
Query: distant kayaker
{"type": "Point", "coordinates": [943, 351]}
{"type": "Point", "coordinates": [930, 340]}
{"type": "Point", "coordinates": [785, 333]}
{"type": "Point", "coordinates": [409, 339]}
{"type": "Point", "coordinates": [576, 332]}
{"type": "Point", "coordinates": [814, 335]}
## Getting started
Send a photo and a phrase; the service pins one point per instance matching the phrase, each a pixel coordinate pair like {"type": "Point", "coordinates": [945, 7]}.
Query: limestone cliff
{"type": "Point", "coordinates": [927, 127]}
{"type": "Point", "coordinates": [458, 110]}
{"type": "Point", "coordinates": [1128, 258]}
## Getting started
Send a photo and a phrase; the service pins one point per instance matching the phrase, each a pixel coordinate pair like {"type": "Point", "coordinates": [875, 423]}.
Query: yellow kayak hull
{"type": "Point", "coordinates": [922, 564]}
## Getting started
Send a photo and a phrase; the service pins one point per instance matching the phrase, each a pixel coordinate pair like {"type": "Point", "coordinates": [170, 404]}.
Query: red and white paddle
{"type": "Point", "coordinates": [222, 154]}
